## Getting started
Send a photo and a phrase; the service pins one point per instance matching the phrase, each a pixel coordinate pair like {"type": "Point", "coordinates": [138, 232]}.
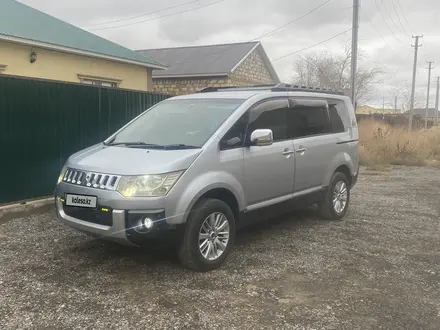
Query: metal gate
{"type": "Point", "coordinates": [42, 123]}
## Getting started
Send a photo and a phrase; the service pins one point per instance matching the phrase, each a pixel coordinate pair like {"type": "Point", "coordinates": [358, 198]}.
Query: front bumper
{"type": "Point", "coordinates": [115, 232]}
{"type": "Point", "coordinates": [114, 220]}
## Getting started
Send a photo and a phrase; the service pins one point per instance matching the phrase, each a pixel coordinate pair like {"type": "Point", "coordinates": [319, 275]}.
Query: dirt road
{"type": "Point", "coordinates": [378, 269]}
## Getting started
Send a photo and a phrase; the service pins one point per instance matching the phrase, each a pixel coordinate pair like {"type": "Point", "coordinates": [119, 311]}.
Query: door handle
{"type": "Point", "coordinates": [287, 152]}
{"type": "Point", "coordinates": [301, 149]}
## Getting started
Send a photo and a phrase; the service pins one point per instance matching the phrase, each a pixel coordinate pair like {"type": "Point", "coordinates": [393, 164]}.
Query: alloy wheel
{"type": "Point", "coordinates": [214, 236]}
{"type": "Point", "coordinates": [340, 196]}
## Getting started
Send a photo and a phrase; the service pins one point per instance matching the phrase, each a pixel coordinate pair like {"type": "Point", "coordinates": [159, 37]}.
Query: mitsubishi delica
{"type": "Point", "coordinates": [193, 169]}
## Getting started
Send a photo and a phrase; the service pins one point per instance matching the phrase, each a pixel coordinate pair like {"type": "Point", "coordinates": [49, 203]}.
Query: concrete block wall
{"type": "Point", "coordinates": [251, 71]}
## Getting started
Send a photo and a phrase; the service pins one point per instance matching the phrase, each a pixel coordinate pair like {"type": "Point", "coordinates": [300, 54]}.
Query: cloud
{"type": "Point", "coordinates": [384, 35]}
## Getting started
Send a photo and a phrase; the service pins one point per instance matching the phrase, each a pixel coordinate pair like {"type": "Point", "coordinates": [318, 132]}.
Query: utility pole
{"type": "Point", "coordinates": [427, 93]}
{"type": "Point", "coordinates": [354, 51]}
{"type": "Point", "coordinates": [383, 103]}
{"type": "Point", "coordinates": [436, 101]}
{"type": "Point", "coordinates": [395, 103]}
{"type": "Point", "coordinates": [413, 86]}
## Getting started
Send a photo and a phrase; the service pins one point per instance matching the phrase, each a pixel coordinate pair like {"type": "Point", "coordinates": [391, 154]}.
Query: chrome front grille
{"type": "Point", "coordinates": [91, 179]}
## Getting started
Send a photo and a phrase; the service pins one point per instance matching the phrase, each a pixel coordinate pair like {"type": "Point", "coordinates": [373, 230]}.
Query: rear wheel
{"type": "Point", "coordinates": [209, 236]}
{"type": "Point", "coordinates": [337, 198]}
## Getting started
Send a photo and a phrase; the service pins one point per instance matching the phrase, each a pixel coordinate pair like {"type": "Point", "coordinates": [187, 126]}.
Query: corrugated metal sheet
{"type": "Point", "coordinates": [21, 21]}
{"type": "Point", "coordinates": [42, 123]}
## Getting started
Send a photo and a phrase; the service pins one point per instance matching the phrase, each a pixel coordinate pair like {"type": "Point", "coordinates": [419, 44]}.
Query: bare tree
{"type": "Point", "coordinates": [403, 94]}
{"type": "Point", "coordinates": [406, 97]}
{"type": "Point", "coordinates": [326, 70]}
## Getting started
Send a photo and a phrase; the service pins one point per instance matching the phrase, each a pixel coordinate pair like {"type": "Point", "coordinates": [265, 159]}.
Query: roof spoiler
{"type": "Point", "coordinates": [281, 87]}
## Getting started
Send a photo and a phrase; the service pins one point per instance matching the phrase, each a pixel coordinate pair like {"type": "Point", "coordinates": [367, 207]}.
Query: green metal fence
{"type": "Point", "coordinates": [42, 123]}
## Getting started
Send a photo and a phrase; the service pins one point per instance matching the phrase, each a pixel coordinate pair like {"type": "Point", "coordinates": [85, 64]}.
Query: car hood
{"type": "Point", "coordinates": [131, 161]}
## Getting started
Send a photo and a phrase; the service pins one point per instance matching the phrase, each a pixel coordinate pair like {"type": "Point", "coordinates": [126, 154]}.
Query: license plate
{"type": "Point", "coordinates": [81, 200]}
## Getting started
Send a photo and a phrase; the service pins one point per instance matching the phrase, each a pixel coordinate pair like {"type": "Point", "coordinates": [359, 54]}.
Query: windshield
{"type": "Point", "coordinates": [178, 122]}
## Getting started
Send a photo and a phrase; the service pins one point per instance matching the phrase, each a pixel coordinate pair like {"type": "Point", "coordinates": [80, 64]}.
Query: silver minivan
{"type": "Point", "coordinates": [193, 169]}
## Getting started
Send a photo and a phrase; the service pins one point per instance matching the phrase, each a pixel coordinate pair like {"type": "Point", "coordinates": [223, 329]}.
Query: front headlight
{"type": "Point", "coordinates": [61, 176]}
{"type": "Point", "coordinates": [148, 185]}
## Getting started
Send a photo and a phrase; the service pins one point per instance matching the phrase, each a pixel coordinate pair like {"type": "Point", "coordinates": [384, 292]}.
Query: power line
{"type": "Point", "coordinates": [291, 22]}
{"type": "Point", "coordinates": [306, 48]}
{"type": "Point", "coordinates": [397, 71]}
{"type": "Point", "coordinates": [400, 21]}
{"type": "Point", "coordinates": [266, 34]}
{"type": "Point", "coordinates": [380, 12]}
{"type": "Point", "coordinates": [369, 20]}
{"type": "Point", "coordinates": [403, 13]}
{"type": "Point", "coordinates": [138, 16]}
{"type": "Point", "coordinates": [346, 8]}
{"type": "Point", "coordinates": [389, 15]}
{"type": "Point", "coordinates": [155, 18]}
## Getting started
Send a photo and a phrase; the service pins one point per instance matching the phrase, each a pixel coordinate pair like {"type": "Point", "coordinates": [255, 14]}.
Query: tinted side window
{"type": "Point", "coordinates": [339, 116]}
{"type": "Point", "coordinates": [272, 115]}
{"type": "Point", "coordinates": [335, 119]}
{"type": "Point", "coordinates": [308, 120]}
{"type": "Point", "coordinates": [235, 137]}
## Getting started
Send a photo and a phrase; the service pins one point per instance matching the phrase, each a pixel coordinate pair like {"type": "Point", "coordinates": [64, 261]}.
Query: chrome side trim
{"type": "Point", "coordinates": [307, 191]}
{"type": "Point", "coordinates": [281, 199]}
{"type": "Point", "coordinates": [268, 202]}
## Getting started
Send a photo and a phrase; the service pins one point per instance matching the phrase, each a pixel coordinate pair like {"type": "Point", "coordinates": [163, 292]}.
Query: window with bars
{"type": "Point", "coordinates": [98, 81]}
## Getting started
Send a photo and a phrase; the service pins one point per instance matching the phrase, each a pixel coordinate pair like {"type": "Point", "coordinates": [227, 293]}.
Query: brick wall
{"type": "Point", "coordinates": [183, 86]}
{"type": "Point", "coordinates": [251, 71]}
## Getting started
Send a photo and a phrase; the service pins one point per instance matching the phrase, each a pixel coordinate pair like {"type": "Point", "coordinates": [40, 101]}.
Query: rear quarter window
{"type": "Point", "coordinates": [340, 116]}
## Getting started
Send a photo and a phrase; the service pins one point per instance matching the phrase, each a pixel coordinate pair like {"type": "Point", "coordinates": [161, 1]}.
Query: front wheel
{"type": "Point", "coordinates": [209, 236]}
{"type": "Point", "coordinates": [337, 198]}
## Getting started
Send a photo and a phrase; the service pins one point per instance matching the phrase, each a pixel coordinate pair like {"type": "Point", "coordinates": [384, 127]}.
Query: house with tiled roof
{"type": "Point", "coordinates": [196, 67]}
{"type": "Point", "coordinates": [36, 45]}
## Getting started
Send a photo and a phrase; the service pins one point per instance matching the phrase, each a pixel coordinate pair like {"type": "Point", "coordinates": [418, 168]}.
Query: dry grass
{"type": "Point", "coordinates": [381, 144]}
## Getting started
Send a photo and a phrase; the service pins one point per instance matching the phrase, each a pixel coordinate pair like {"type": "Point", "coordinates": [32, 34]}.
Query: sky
{"type": "Point", "coordinates": [385, 31]}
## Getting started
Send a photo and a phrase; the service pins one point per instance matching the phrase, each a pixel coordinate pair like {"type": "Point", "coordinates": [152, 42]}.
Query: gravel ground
{"type": "Point", "coordinates": [377, 269]}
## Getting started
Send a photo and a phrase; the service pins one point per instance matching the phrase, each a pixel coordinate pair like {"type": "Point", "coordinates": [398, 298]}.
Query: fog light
{"type": "Point", "coordinates": [143, 225]}
{"type": "Point", "coordinates": [148, 223]}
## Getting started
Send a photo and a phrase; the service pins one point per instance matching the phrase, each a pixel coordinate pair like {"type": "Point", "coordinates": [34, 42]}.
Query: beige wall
{"type": "Point", "coordinates": [66, 67]}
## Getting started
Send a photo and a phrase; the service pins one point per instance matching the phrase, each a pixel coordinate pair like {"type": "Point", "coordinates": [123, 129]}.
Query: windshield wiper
{"type": "Point", "coordinates": [140, 144]}
{"type": "Point", "coordinates": [137, 144]}
{"type": "Point", "coordinates": [180, 146]}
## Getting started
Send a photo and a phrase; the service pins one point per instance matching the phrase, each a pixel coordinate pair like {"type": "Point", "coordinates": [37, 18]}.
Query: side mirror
{"type": "Point", "coordinates": [262, 137]}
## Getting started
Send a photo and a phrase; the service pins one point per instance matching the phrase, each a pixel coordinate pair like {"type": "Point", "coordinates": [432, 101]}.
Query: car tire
{"type": "Point", "coordinates": [203, 247]}
{"type": "Point", "coordinates": [337, 198]}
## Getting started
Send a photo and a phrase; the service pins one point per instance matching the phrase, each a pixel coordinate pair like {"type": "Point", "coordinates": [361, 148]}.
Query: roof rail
{"type": "Point", "coordinates": [244, 88]}
{"type": "Point", "coordinates": [297, 88]}
{"type": "Point", "coordinates": [281, 87]}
